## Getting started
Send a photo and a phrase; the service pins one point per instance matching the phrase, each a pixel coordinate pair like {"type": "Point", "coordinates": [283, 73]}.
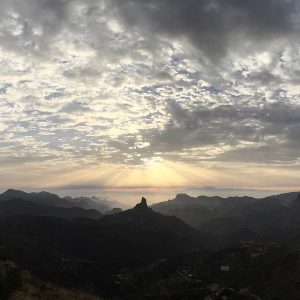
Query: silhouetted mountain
{"type": "Point", "coordinates": [145, 218]}
{"type": "Point", "coordinates": [286, 197]}
{"type": "Point", "coordinates": [267, 265]}
{"type": "Point", "coordinates": [16, 207]}
{"type": "Point", "coordinates": [43, 198]}
{"type": "Point", "coordinates": [49, 199]}
{"type": "Point", "coordinates": [196, 211]}
{"type": "Point", "coordinates": [81, 252]}
{"type": "Point", "coordinates": [183, 200]}
{"type": "Point", "coordinates": [266, 220]}
{"type": "Point", "coordinates": [202, 212]}
{"type": "Point", "coordinates": [235, 219]}
{"type": "Point", "coordinates": [142, 254]}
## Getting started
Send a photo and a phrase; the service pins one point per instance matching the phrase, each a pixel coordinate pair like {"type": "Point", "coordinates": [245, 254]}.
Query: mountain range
{"type": "Point", "coordinates": [49, 199]}
{"type": "Point", "coordinates": [197, 211]}
{"type": "Point", "coordinates": [185, 248]}
{"type": "Point", "coordinates": [86, 251]}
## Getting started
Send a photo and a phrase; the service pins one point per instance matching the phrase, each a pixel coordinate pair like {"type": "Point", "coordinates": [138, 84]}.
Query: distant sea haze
{"type": "Point", "coordinates": [127, 196]}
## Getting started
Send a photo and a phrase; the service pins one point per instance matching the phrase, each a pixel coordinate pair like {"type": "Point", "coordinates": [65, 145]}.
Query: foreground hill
{"type": "Point", "coordinates": [85, 252]}
{"type": "Point", "coordinates": [16, 284]}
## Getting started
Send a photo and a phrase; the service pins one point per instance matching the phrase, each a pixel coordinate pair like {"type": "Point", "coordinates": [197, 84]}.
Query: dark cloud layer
{"type": "Point", "coordinates": [33, 23]}
{"type": "Point", "coordinates": [214, 26]}
{"type": "Point", "coordinates": [269, 133]}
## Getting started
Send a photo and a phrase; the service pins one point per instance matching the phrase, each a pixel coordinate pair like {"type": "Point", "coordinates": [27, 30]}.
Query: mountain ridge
{"type": "Point", "coordinates": [14, 207]}
{"type": "Point", "coordinates": [78, 252]}
{"type": "Point", "coordinates": [50, 199]}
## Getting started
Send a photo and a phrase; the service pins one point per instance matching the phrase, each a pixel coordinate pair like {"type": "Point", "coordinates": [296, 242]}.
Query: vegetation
{"type": "Point", "coordinates": [10, 279]}
{"type": "Point", "coordinates": [20, 285]}
{"type": "Point", "coordinates": [33, 289]}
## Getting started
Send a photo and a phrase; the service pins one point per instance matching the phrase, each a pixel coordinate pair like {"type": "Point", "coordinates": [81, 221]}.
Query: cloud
{"type": "Point", "coordinates": [128, 82]}
{"type": "Point", "coordinates": [75, 107]}
{"type": "Point", "coordinates": [29, 27]}
{"type": "Point", "coordinates": [215, 27]}
{"type": "Point", "coordinates": [262, 134]}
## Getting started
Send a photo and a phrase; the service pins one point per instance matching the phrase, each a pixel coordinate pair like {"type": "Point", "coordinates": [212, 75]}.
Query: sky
{"type": "Point", "coordinates": [119, 98]}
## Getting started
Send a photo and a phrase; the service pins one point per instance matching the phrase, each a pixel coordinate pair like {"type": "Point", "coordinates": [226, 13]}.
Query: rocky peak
{"type": "Point", "coordinates": [142, 205]}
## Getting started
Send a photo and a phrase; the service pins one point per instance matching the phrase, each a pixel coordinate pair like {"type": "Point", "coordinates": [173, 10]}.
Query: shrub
{"type": "Point", "coordinates": [10, 279]}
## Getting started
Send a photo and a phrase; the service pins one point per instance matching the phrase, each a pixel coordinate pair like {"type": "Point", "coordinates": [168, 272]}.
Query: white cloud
{"type": "Point", "coordinates": [88, 82]}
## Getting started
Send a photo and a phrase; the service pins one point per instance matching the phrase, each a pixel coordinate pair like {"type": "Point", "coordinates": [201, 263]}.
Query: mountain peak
{"type": "Point", "coordinates": [144, 202]}
{"type": "Point", "coordinates": [181, 197]}
{"type": "Point", "coordinates": [142, 205]}
{"type": "Point", "coordinates": [12, 191]}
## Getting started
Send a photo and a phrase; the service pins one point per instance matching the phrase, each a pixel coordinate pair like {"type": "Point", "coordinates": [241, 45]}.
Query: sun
{"type": "Point", "coordinates": [154, 173]}
{"type": "Point", "coordinates": [159, 173]}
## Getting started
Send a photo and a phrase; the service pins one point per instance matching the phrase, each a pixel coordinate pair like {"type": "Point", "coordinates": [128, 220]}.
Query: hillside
{"type": "Point", "coordinates": [196, 211]}
{"type": "Point", "coordinates": [203, 210]}
{"type": "Point", "coordinates": [142, 254]}
{"type": "Point", "coordinates": [86, 252]}
{"type": "Point", "coordinates": [16, 284]}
